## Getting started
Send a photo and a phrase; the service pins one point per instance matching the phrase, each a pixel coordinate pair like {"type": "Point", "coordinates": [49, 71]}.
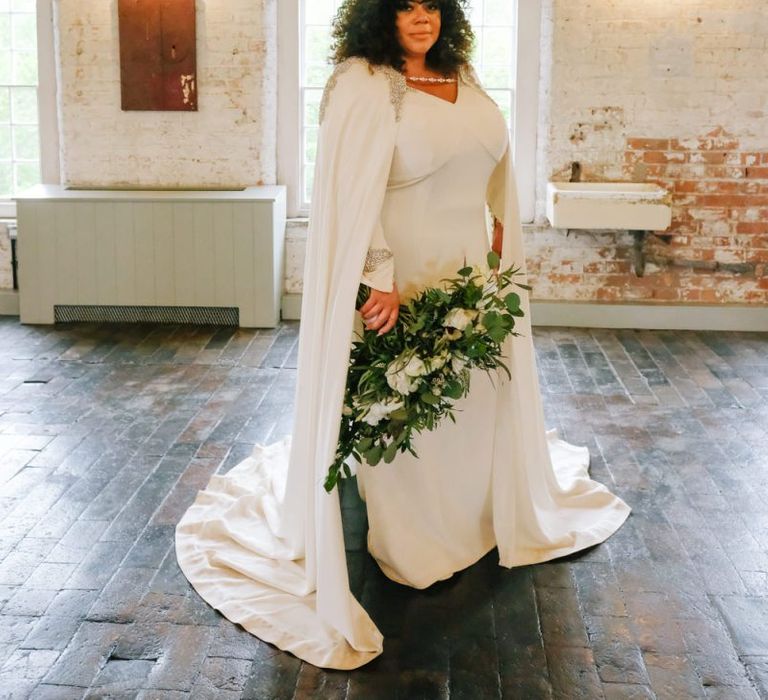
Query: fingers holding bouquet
{"type": "Point", "coordinates": [381, 309]}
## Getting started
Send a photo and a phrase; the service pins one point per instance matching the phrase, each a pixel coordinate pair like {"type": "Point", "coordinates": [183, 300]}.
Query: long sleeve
{"type": "Point", "coordinates": [496, 193]}
{"type": "Point", "coordinates": [379, 269]}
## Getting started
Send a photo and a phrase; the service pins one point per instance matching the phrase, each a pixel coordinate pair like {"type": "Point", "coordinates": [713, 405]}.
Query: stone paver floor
{"type": "Point", "coordinates": [107, 432]}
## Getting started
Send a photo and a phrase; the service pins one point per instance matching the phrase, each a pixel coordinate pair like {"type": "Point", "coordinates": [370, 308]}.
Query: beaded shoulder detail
{"type": "Point", "coordinates": [397, 84]}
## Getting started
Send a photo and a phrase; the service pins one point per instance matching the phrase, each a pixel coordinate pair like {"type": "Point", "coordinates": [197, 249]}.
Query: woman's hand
{"type": "Point", "coordinates": [381, 309]}
{"type": "Point", "coordinates": [498, 236]}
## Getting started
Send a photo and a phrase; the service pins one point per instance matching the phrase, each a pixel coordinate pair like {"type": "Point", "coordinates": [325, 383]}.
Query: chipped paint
{"type": "Point", "coordinates": [187, 88]}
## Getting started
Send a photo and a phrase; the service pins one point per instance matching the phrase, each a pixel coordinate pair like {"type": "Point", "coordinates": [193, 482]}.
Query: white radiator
{"type": "Point", "coordinates": [119, 248]}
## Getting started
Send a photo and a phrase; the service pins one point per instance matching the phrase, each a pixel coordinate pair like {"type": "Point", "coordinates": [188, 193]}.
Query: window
{"type": "Point", "coordinates": [19, 134]}
{"type": "Point", "coordinates": [305, 33]}
{"type": "Point", "coordinates": [25, 111]}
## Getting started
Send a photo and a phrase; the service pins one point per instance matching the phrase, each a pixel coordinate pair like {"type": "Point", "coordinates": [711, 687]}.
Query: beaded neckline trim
{"type": "Point", "coordinates": [398, 84]}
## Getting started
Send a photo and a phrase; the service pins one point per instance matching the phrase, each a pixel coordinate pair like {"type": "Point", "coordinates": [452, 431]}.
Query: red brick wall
{"type": "Point", "coordinates": [715, 251]}
{"type": "Point", "coordinates": [717, 246]}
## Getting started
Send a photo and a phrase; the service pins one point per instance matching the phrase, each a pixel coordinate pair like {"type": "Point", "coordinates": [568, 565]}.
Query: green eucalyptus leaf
{"type": "Point", "coordinates": [373, 456]}
{"type": "Point", "coordinates": [512, 301]}
{"type": "Point", "coordinates": [390, 452]}
{"type": "Point", "coordinates": [364, 444]}
{"type": "Point", "coordinates": [453, 390]}
{"type": "Point", "coordinates": [493, 260]}
{"type": "Point", "coordinates": [429, 398]}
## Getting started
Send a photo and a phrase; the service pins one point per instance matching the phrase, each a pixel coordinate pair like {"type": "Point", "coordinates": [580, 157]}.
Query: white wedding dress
{"type": "Point", "coordinates": [262, 543]}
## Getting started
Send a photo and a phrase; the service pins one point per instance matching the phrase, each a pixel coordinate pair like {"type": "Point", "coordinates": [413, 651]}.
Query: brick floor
{"type": "Point", "coordinates": [107, 432]}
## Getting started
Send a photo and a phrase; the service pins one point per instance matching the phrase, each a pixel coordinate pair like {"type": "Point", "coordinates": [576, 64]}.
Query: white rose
{"type": "Point", "coordinates": [398, 379]}
{"type": "Point", "coordinates": [415, 367]}
{"type": "Point", "coordinates": [459, 318]}
{"type": "Point", "coordinates": [380, 410]}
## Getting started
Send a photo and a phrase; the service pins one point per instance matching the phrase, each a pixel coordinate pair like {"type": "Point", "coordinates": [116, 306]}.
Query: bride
{"type": "Point", "coordinates": [412, 153]}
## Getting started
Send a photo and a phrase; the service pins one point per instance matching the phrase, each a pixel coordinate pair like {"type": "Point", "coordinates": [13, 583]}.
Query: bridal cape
{"type": "Point", "coordinates": [263, 543]}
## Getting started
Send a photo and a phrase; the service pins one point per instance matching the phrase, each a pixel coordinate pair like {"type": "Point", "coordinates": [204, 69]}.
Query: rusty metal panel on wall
{"type": "Point", "coordinates": [158, 62]}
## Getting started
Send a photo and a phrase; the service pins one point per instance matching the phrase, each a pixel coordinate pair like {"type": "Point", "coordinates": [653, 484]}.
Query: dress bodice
{"type": "Point", "coordinates": [434, 133]}
{"type": "Point", "coordinates": [434, 213]}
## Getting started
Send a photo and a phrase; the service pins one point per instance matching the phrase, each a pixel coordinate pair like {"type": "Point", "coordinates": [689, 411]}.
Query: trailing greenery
{"type": "Point", "coordinates": [407, 380]}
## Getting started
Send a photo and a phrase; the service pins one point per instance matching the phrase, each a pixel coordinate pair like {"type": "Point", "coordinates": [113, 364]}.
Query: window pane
{"type": "Point", "coordinates": [317, 74]}
{"type": "Point", "coordinates": [24, 31]}
{"type": "Point", "coordinates": [5, 31]}
{"type": "Point", "coordinates": [310, 145]}
{"type": "Point", "coordinates": [23, 105]}
{"type": "Point", "coordinates": [26, 143]}
{"type": "Point", "coordinates": [317, 44]}
{"type": "Point", "coordinates": [497, 46]}
{"type": "Point", "coordinates": [27, 175]}
{"type": "Point", "coordinates": [23, 6]}
{"type": "Point", "coordinates": [497, 76]}
{"type": "Point", "coordinates": [6, 153]}
{"type": "Point", "coordinates": [25, 67]}
{"type": "Point", "coordinates": [5, 67]}
{"type": "Point", "coordinates": [312, 107]}
{"type": "Point", "coordinates": [5, 105]}
{"type": "Point", "coordinates": [309, 175]}
{"type": "Point", "coordinates": [498, 12]}
{"type": "Point", "coordinates": [6, 180]}
{"type": "Point", "coordinates": [19, 133]}
{"type": "Point", "coordinates": [319, 11]}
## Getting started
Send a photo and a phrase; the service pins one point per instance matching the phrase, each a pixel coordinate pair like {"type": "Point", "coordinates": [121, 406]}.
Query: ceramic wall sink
{"type": "Point", "coordinates": [634, 206]}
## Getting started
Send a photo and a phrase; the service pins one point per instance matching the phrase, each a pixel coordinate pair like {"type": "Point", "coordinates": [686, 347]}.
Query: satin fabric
{"type": "Point", "coordinates": [264, 543]}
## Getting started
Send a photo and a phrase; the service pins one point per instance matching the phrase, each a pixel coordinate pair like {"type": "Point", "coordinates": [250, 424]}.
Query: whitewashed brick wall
{"type": "Point", "coordinates": [229, 141]}
{"type": "Point", "coordinates": [658, 91]}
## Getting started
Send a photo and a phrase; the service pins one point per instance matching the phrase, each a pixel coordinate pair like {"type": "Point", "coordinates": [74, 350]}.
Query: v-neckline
{"type": "Point", "coordinates": [441, 99]}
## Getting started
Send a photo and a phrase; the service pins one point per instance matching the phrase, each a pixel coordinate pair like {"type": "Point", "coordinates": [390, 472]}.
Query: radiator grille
{"type": "Point", "coordinates": [199, 315]}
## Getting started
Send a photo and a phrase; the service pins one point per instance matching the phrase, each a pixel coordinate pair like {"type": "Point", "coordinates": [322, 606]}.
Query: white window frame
{"type": "Point", "coordinates": [526, 104]}
{"type": "Point", "coordinates": [48, 122]}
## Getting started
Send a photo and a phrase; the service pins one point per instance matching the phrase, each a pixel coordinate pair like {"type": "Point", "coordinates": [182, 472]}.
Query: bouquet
{"type": "Point", "coordinates": [407, 380]}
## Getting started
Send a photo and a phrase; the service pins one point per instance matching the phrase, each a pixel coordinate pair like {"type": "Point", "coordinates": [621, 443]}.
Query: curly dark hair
{"type": "Point", "coordinates": [366, 28]}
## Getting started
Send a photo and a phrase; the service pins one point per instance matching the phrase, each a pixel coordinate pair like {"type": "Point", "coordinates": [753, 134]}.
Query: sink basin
{"type": "Point", "coordinates": [634, 206]}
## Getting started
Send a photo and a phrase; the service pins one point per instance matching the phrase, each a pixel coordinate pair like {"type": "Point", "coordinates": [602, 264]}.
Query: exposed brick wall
{"type": "Point", "coordinates": [229, 141]}
{"type": "Point", "coordinates": [719, 229]}
{"type": "Point", "coordinates": [665, 93]}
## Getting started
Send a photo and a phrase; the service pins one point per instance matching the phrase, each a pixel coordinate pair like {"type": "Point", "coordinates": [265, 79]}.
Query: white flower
{"type": "Point", "coordinates": [346, 410]}
{"type": "Point", "coordinates": [402, 375]}
{"type": "Point", "coordinates": [452, 334]}
{"type": "Point", "coordinates": [438, 361]}
{"type": "Point", "coordinates": [398, 380]}
{"type": "Point", "coordinates": [459, 318]}
{"type": "Point", "coordinates": [380, 410]}
{"type": "Point", "coordinates": [415, 367]}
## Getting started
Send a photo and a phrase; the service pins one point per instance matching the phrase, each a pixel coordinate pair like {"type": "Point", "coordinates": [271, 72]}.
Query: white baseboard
{"type": "Point", "coordinates": [9, 303]}
{"type": "Point", "coordinates": [694, 317]}
{"type": "Point", "coordinates": [690, 317]}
